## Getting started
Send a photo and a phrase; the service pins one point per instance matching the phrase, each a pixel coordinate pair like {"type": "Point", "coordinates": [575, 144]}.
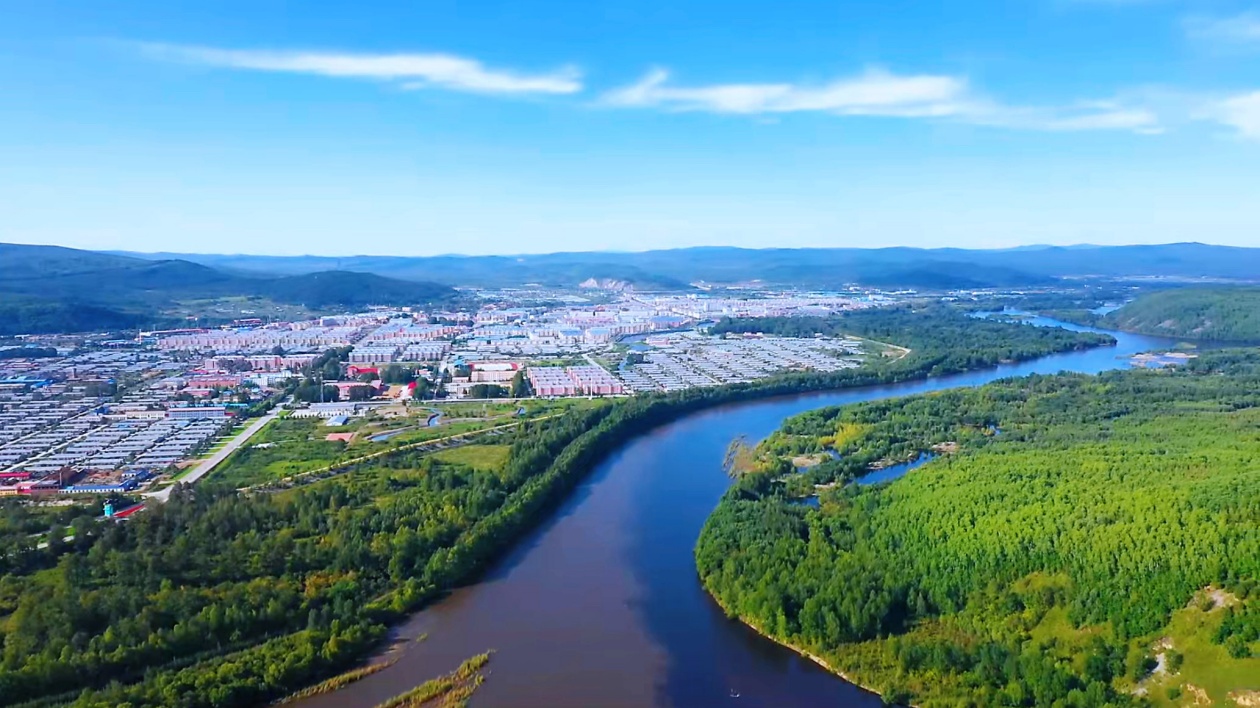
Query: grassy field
{"type": "Point", "coordinates": [474, 410]}
{"type": "Point", "coordinates": [482, 457]}
{"type": "Point", "coordinates": [286, 446]}
{"type": "Point", "coordinates": [290, 446]}
{"type": "Point", "coordinates": [1207, 668]}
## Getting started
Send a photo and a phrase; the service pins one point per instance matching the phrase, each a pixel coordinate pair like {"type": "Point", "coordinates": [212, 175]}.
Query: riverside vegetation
{"type": "Point", "coordinates": [450, 691]}
{"type": "Point", "coordinates": [1076, 541]}
{"type": "Point", "coordinates": [1223, 314]}
{"type": "Point", "coordinates": [225, 599]}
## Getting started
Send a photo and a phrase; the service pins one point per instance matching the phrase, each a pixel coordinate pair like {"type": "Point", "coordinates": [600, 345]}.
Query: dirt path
{"type": "Point", "coordinates": [345, 464]}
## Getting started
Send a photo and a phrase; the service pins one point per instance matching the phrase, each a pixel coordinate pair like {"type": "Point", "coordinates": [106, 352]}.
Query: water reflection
{"type": "Point", "coordinates": [601, 606]}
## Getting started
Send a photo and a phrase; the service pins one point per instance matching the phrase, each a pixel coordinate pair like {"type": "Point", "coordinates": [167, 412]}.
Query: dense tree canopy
{"type": "Point", "coordinates": [1103, 503]}
{"type": "Point", "coordinates": [27, 352]}
{"type": "Point", "coordinates": [219, 598]}
{"type": "Point", "coordinates": [1225, 314]}
{"type": "Point", "coordinates": [483, 390]}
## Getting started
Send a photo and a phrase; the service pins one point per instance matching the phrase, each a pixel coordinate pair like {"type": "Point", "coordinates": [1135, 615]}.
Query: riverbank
{"type": "Point", "coordinates": [590, 603]}
{"type": "Point", "coordinates": [801, 651]}
{"type": "Point", "coordinates": [947, 584]}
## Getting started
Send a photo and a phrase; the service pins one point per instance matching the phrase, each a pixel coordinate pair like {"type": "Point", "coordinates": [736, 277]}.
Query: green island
{"type": "Point", "coordinates": [1071, 540]}
{"type": "Point", "coordinates": [450, 691]}
{"type": "Point", "coordinates": [228, 598]}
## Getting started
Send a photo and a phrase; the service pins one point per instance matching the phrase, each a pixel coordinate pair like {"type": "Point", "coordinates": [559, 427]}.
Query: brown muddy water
{"type": "Point", "coordinates": [601, 605]}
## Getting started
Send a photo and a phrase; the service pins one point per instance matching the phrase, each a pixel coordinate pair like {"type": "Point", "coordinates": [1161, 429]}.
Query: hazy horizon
{"type": "Point", "coordinates": [455, 254]}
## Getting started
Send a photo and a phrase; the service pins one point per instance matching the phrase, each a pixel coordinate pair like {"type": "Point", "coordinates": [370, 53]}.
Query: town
{"type": "Point", "coordinates": [86, 415]}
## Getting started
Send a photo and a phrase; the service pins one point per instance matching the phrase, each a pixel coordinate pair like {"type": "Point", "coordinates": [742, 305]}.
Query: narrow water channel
{"type": "Point", "coordinates": [601, 606]}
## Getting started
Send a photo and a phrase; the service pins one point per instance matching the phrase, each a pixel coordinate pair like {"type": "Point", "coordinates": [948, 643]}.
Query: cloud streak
{"type": "Point", "coordinates": [409, 71]}
{"type": "Point", "coordinates": [1239, 29]}
{"type": "Point", "coordinates": [877, 92]}
{"type": "Point", "coordinates": [873, 93]}
{"type": "Point", "coordinates": [1241, 112]}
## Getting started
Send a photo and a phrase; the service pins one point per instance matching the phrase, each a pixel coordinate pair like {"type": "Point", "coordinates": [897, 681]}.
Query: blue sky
{"type": "Point", "coordinates": [414, 127]}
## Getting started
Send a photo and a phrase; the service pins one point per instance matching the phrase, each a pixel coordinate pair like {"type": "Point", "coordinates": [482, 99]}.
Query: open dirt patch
{"type": "Point", "coordinates": [1199, 696]}
{"type": "Point", "coordinates": [1247, 699]}
{"type": "Point", "coordinates": [1219, 598]}
{"type": "Point", "coordinates": [806, 460]}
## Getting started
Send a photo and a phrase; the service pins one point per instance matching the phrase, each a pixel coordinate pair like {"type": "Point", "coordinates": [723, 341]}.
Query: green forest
{"type": "Point", "coordinates": [1076, 540]}
{"type": "Point", "coordinates": [1222, 314]}
{"type": "Point", "coordinates": [48, 289]}
{"type": "Point", "coordinates": [219, 598]}
{"type": "Point", "coordinates": [23, 314]}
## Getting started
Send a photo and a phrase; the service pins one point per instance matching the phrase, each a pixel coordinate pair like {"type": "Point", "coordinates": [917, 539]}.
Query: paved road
{"type": "Point", "coordinates": [217, 458]}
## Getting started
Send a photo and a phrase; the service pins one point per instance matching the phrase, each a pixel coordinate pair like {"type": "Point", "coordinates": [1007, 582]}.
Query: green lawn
{"type": "Point", "coordinates": [486, 457]}
{"type": "Point", "coordinates": [295, 445]}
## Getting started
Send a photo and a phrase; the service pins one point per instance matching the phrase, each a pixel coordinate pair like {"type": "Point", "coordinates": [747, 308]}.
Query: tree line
{"type": "Point", "coordinates": [223, 599]}
{"type": "Point", "coordinates": [1091, 506]}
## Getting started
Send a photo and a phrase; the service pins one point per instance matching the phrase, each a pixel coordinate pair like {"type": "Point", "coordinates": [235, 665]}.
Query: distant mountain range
{"type": "Point", "coordinates": [807, 267]}
{"type": "Point", "coordinates": [49, 288]}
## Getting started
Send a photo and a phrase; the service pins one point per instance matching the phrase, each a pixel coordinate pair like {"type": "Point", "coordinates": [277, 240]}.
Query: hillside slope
{"type": "Point", "coordinates": [51, 289]}
{"type": "Point", "coordinates": [1226, 314]}
{"type": "Point", "coordinates": [800, 267]}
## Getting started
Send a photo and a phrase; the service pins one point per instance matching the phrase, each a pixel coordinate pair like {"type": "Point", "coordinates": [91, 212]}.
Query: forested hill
{"type": "Point", "coordinates": [1058, 546]}
{"type": "Point", "coordinates": [795, 267]}
{"type": "Point", "coordinates": [1224, 314]}
{"type": "Point", "coordinates": [50, 289]}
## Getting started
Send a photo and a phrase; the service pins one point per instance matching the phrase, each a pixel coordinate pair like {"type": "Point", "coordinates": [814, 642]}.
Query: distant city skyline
{"type": "Point", "coordinates": [427, 129]}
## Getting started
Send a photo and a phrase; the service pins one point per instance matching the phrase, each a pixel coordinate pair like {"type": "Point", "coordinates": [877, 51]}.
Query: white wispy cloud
{"type": "Point", "coordinates": [1238, 29]}
{"type": "Point", "coordinates": [410, 71]}
{"type": "Point", "coordinates": [878, 92]}
{"type": "Point", "coordinates": [1241, 112]}
{"type": "Point", "coordinates": [1088, 115]}
{"type": "Point", "coordinates": [873, 93]}
{"type": "Point", "coordinates": [1238, 110]}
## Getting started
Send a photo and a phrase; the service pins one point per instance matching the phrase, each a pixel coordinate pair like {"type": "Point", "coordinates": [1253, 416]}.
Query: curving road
{"type": "Point", "coordinates": [208, 465]}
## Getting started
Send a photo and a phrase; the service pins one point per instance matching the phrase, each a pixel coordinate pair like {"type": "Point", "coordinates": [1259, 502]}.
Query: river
{"type": "Point", "coordinates": [601, 606]}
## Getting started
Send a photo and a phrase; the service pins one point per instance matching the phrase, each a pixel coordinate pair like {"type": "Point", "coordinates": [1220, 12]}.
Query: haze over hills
{"type": "Point", "coordinates": [808, 267]}
{"type": "Point", "coordinates": [50, 271]}
{"type": "Point", "coordinates": [49, 288]}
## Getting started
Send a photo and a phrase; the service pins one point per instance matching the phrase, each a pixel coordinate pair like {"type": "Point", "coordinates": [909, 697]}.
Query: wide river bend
{"type": "Point", "coordinates": [601, 606]}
